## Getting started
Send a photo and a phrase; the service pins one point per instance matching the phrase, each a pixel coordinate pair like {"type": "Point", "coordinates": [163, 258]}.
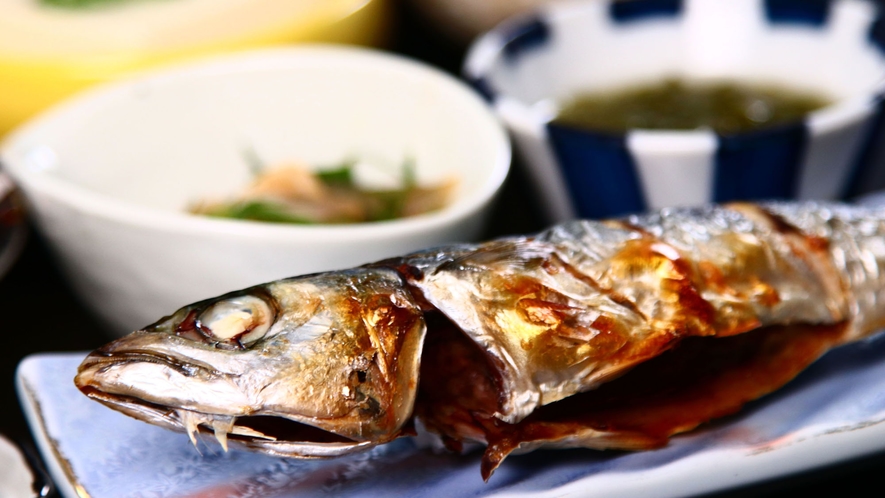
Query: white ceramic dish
{"type": "Point", "coordinates": [108, 175]}
{"type": "Point", "coordinates": [16, 479]}
{"type": "Point", "coordinates": [831, 412]}
{"type": "Point", "coordinates": [529, 66]}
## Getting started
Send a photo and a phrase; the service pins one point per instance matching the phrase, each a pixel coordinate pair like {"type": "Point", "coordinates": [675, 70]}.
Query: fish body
{"type": "Point", "coordinates": [599, 334]}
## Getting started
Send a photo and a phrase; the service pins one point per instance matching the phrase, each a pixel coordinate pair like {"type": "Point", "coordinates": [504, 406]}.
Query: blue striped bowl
{"type": "Point", "coordinates": [835, 47]}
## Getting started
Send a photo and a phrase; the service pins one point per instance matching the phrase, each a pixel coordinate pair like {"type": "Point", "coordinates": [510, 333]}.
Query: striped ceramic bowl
{"type": "Point", "coordinates": [526, 66]}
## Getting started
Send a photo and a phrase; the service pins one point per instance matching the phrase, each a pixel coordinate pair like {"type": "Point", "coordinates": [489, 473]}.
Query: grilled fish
{"type": "Point", "coordinates": [614, 334]}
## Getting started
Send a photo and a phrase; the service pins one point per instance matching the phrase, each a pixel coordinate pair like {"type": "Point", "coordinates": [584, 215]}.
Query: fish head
{"type": "Point", "coordinates": [316, 366]}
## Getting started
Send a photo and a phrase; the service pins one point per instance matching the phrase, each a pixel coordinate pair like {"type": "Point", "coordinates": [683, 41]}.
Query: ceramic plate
{"type": "Point", "coordinates": [833, 411]}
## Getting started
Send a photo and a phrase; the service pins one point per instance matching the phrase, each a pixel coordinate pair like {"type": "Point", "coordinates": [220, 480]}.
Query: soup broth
{"type": "Point", "coordinates": [725, 106]}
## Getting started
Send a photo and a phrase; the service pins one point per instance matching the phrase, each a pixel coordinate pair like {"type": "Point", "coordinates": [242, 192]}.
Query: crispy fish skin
{"type": "Point", "coordinates": [583, 303]}
{"type": "Point", "coordinates": [854, 239]}
{"type": "Point", "coordinates": [341, 355]}
{"type": "Point", "coordinates": [530, 340]}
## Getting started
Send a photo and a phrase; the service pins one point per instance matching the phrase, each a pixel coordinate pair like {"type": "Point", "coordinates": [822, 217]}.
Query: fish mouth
{"type": "Point", "coordinates": [269, 433]}
{"type": "Point", "coordinates": [183, 365]}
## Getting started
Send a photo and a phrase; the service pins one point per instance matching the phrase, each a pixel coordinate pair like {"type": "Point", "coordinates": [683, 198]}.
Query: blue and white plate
{"type": "Point", "coordinates": [832, 412]}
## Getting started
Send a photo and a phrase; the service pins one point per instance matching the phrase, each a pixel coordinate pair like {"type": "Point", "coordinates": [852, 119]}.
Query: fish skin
{"type": "Point", "coordinates": [646, 282]}
{"type": "Point", "coordinates": [552, 315]}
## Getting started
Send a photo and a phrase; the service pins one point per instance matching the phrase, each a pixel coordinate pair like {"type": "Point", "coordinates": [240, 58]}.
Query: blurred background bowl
{"type": "Point", "coordinates": [50, 49]}
{"type": "Point", "coordinates": [527, 68]}
{"type": "Point", "coordinates": [109, 174]}
{"type": "Point", "coordinates": [463, 20]}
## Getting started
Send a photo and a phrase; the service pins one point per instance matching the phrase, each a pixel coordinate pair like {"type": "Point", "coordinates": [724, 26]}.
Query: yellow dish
{"type": "Point", "coordinates": [48, 53]}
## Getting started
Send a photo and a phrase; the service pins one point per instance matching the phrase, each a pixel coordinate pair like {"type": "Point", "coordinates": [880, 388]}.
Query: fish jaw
{"type": "Point", "coordinates": [336, 370]}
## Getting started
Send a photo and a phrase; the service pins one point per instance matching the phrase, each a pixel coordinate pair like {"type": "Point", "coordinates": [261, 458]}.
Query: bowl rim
{"type": "Point", "coordinates": [101, 205]}
{"type": "Point", "coordinates": [489, 47]}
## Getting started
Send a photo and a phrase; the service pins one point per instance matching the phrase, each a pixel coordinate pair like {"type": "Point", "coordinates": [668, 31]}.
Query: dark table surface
{"type": "Point", "coordinates": [39, 312]}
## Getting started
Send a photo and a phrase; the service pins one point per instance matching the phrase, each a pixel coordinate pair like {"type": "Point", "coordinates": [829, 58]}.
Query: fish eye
{"type": "Point", "coordinates": [240, 320]}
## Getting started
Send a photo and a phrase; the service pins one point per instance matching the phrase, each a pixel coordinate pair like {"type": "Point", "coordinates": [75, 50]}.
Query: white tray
{"type": "Point", "coordinates": [832, 412]}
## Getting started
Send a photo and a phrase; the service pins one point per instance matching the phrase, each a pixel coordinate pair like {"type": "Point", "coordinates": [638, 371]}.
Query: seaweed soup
{"type": "Point", "coordinates": [728, 107]}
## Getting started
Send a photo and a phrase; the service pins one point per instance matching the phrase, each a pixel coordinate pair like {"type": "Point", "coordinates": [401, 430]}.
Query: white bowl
{"type": "Point", "coordinates": [109, 174]}
{"type": "Point", "coordinates": [528, 66]}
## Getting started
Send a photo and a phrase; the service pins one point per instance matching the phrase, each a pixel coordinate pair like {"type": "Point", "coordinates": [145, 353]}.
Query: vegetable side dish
{"type": "Point", "coordinates": [726, 107]}
{"type": "Point", "coordinates": [295, 194]}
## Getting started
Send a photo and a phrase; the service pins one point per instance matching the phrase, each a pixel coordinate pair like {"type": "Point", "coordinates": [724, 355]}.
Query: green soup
{"type": "Point", "coordinates": [726, 107]}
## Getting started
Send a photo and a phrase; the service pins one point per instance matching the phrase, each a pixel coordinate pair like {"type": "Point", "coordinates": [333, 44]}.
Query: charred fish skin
{"type": "Point", "coordinates": [584, 302]}
{"type": "Point", "coordinates": [335, 355]}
